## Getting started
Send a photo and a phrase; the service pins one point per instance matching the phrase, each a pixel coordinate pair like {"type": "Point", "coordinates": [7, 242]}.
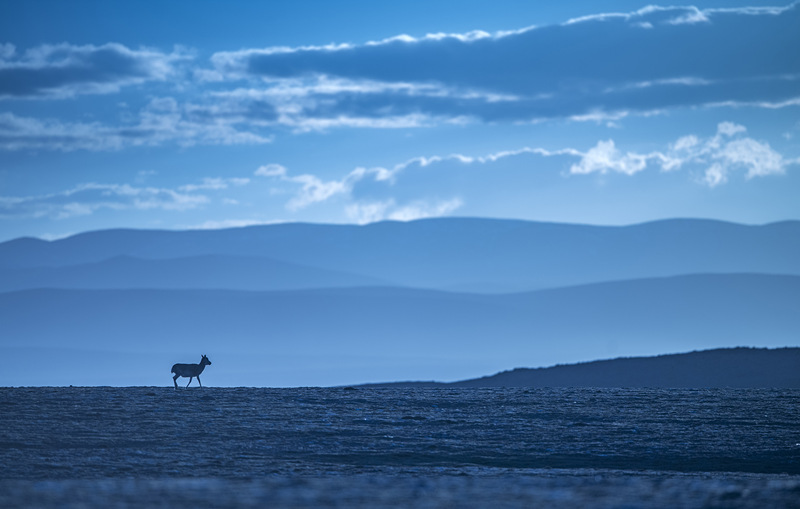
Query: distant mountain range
{"type": "Point", "coordinates": [460, 254]}
{"type": "Point", "coordinates": [191, 272]}
{"type": "Point", "coordinates": [720, 368]}
{"type": "Point", "coordinates": [305, 304]}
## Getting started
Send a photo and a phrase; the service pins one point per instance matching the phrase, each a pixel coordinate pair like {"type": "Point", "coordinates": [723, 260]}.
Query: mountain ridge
{"type": "Point", "coordinates": [478, 255]}
{"type": "Point", "coordinates": [191, 272]}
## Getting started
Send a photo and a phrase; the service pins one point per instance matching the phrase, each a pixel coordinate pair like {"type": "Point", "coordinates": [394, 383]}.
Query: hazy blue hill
{"type": "Point", "coordinates": [360, 333]}
{"type": "Point", "coordinates": [208, 271]}
{"type": "Point", "coordinates": [663, 307]}
{"type": "Point", "coordinates": [456, 253]}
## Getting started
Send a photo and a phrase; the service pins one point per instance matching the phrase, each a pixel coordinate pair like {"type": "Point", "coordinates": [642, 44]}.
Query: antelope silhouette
{"type": "Point", "coordinates": [189, 371]}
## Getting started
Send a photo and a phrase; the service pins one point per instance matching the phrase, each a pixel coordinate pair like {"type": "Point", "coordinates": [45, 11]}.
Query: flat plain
{"type": "Point", "coordinates": [401, 447]}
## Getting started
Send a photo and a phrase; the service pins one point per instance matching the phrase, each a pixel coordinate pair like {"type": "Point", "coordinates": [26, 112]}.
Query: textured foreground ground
{"type": "Point", "coordinates": [548, 488]}
{"type": "Point", "coordinates": [156, 447]}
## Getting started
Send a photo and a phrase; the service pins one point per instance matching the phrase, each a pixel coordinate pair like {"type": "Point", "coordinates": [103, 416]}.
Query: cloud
{"type": "Point", "coordinates": [65, 70]}
{"type": "Point", "coordinates": [88, 198]}
{"type": "Point", "coordinates": [163, 121]}
{"type": "Point", "coordinates": [271, 170]}
{"type": "Point", "coordinates": [214, 184]}
{"type": "Point", "coordinates": [311, 189]}
{"type": "Point", "coordinates": [85, 199]}
{"type": "Point", "coordinates": [377, 193]}
{"type": "Point", "coordinates": [231, 223]}
{"type": "Point", "coordinates": [608, 64]}
{"type": "Point", "coordinates": [370, 212]}
{"type": "Point", "coordinates": [313, 104]}
{"type": "Point", "coordinates": [727, 151]}
{"type": "Point", "coordinates": [605, 157]}
{"type": "Point", "coordinates": [518, 174]}
{"type": "Point", "coordinates": [600, 68]}
{"type": "Point", "coordinates": [440, 184]}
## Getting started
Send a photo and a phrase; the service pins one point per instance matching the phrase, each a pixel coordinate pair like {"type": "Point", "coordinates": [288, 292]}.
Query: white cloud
{"type": "Point", "coordinates": [232, 64]}
{"type": "Point", "coordinates": [232, 223]}
{"type": "Point", "coordinates": [715, 175]}
{"type": "Point", "coordinates": [422, 209]}
{"type": "Point", "coordinates": [271, 170]}
{"type": "Point", "coordinates": [685, 143]}
{"type": "Point", "coordinates": [605, 157]}
{"type": "Point", "coordinates": [730, 129]}
{"type": "Point", "coordinates": [370, 212]}
{"type": "Point", "coordinates": [163, 121]}
{"type": "Point", "coordinates": [691, 16]}
{"type": "Point", "coordinates": [395, 192]}
{"type": "Point", "coordinates": [88, 198]}
{"type": "Point", "coordinates": [215, 184]}
{"type": "Point", "coordinates": [388, 174]}
{"type": "Point", "coordinates": [306, 124]}
{"type": "Point", "coordinates": [315, 103]}
{"type": "Point", "coordinates": [759, 158]}
{"type": "Point", "coordinates": [283, 89]}
{"type": "Point", "coordinates": [715, 157]}
{"type": "Point", "coordinates": [769, 105]}
{"type": "Point", "coordinates": [601, 116]}
{"type": "Point", "coordinates": [65, 70]}
{"type": "Point", "coordinates": [726, 151]}
{"type": "Point", "coordinates": [85, 199]}
{"type": "Point", "coordinates": [677, 15]}
{"type": "Point", "coordinates": [312, 189]}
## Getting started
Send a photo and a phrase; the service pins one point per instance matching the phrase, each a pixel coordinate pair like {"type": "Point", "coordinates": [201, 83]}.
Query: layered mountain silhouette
{"type": "Point", "coordinates": [194, 272]}
{"type": "Point", "coordinates": [446, 299]}
{"type": "Point", "coordinates": [462, 254]}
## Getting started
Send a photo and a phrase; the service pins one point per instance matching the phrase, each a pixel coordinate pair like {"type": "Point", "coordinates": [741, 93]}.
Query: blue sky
{"type": "Point", "coordinates": [205, 114]}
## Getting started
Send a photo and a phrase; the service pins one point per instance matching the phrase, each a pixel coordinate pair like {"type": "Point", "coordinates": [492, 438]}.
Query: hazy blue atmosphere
{"type": "Point", "coordinates": [439, 253]}
{"type": "Point", "coordinates": [294, 189]}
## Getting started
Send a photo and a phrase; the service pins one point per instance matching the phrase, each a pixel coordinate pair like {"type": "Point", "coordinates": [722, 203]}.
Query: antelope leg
{"type": "Point", "coordinates": [190, 381]}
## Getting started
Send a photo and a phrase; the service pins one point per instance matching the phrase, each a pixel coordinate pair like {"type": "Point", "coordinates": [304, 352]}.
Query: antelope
{"type": "Point", "coordinates": [189, 371]}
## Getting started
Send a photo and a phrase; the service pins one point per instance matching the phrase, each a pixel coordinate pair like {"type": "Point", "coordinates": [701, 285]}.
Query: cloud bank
{"type": "Point", "coordinates": [88, 198]}
{"type": "Point", "coordinates": [720, 155]}
{"type": "Point", "coordinates": [603, 67]}
{"type": "Point", "coordinates": [162, 121]}
{"type": "Point", "coordinates": [64, 70]}
{"type": "Point", "coordinates": [430, 186]}
{"type": "Point", "coordinates": [440, 185]}
{"type": "Point", "coordinates": [651, 59]}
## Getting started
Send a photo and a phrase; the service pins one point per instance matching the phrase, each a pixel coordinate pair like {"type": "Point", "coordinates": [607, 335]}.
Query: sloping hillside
{"type": "Point", "coordinates": [727, 367]}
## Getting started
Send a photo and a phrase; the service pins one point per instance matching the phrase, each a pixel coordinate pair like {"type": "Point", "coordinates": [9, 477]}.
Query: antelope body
{"type": "Point", "coordinates": [189, 371]}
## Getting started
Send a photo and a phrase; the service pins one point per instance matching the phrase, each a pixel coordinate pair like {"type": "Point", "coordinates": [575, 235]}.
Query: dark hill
{"type": "Point", "coordinates": [724, 367]}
